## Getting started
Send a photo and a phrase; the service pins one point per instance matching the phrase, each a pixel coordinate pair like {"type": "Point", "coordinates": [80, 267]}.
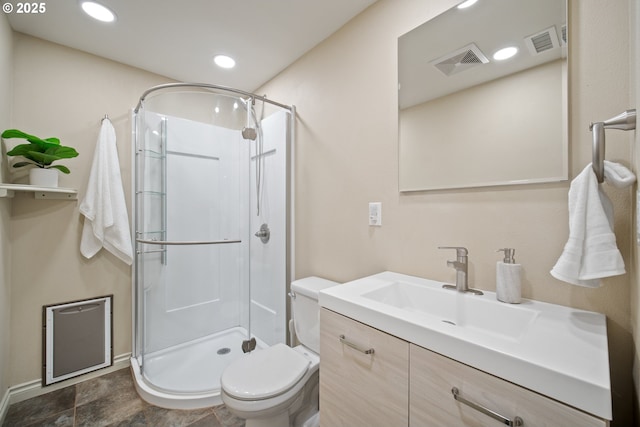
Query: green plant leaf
{"type": "Point", "coordinates": [15, 133]}
{"type": "Point", "coordinates": [62, 152]}
{"type": "Point", "coordinates": [21, 164]}
{"type": "Point", "coordinates": [24, 149]}
{"type": "Point", "coordinates": [43, 158]}
{"type": "Point", "coordinates": [42, 152]}
{"type": "Point", "coordinates": [61, 168]}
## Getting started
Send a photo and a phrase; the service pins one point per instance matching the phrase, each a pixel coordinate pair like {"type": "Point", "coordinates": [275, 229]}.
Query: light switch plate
{"type": "Point", "coordinates": [375, 214]}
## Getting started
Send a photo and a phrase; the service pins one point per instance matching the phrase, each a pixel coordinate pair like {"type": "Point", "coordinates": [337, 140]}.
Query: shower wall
{"type": "Point", "coordinates": [193, 291]}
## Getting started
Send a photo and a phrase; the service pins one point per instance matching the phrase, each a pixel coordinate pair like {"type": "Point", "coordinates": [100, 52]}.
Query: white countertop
{"type": "Point", "coordinates": [562, 352]}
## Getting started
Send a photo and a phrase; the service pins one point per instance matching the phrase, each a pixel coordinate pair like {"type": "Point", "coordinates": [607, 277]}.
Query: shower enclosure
{"type": "Point", "coordinates": [212, 229]}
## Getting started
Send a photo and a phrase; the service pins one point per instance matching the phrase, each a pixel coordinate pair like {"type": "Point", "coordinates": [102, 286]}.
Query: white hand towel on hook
{"type": "Point", "coordinates": [106, 221]}
{"type": "Point", "coordinates": [591, 252]}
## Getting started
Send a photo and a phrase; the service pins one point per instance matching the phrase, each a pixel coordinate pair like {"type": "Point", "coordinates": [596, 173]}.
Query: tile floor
{"type": "Point", "coordinates": [110, 400]}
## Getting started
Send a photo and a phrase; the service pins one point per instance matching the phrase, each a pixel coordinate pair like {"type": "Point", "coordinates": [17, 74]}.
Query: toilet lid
{"type": "Point", "coordinates": [264, 373]}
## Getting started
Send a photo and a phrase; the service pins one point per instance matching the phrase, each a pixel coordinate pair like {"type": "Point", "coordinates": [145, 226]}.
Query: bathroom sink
{"type": "Point", "coordinates": [558, 351]}
{"type": "Point", "coordinates": [457, 309]}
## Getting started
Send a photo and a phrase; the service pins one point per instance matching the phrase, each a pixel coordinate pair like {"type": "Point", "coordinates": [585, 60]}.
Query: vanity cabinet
{"type": "Point", "coordinates": [432, 403]}
{"type": "Point", "coordinates": [402, 384]}
{"type": "Point", "coordinates": [359, 387]}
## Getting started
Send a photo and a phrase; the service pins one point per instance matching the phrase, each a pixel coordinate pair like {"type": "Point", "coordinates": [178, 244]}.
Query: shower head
{"type": "Point", "coordinates": [249, 132]}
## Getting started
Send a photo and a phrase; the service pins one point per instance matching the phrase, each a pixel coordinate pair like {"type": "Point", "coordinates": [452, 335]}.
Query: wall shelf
{"type": "Point", "coordinates": [51, 193]}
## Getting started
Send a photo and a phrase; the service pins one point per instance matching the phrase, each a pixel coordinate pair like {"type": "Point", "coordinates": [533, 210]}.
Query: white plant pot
{"type": "Point", "coordinates": [43, 177]}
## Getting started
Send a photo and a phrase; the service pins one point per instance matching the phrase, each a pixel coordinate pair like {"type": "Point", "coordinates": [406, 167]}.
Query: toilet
{"type": "Point", "coordinates": [278, 386]}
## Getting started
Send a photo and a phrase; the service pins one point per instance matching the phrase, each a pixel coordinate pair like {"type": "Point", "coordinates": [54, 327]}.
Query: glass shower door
{"type": "Point", "coordinates": [191, 232]}
{"type": "Point", "coordinates": [268, 265]}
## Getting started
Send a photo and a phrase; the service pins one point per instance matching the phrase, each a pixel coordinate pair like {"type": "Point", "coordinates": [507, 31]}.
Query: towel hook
{"type": "Point", "coordinates": [623, 121]}
{"type": "Point", "coordinates": [106, 117]}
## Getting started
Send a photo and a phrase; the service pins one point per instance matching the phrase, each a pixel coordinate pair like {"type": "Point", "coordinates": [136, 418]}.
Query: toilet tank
{"type": "Point", "coordinates": [306, 311]}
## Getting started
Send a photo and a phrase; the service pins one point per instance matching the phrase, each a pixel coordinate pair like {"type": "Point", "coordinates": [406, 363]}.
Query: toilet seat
{"type": "Point", "coordinates": [266, 373]}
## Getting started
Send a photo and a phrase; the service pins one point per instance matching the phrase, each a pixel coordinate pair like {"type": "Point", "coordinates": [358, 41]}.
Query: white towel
{"type": "Point", "coordinates": [591, 252]}
{"type": "Point", "coordinates": [106, 221]}
{"type": "Point", "coordinates": [617, 175]}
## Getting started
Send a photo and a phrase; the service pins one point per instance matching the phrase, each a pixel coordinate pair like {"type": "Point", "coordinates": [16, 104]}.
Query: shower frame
{"type": "Point", "coordinates": [160, 397]}
{"type": "Point", "coordinates": [212, 87]}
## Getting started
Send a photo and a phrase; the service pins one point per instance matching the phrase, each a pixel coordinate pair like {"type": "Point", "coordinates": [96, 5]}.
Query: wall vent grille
{"type": "Point", "coordinates": [543, 41]}
{"type": "Point", "coordinates": [76, 338]}
{"type": "Point", "coordinates": [460, 60]}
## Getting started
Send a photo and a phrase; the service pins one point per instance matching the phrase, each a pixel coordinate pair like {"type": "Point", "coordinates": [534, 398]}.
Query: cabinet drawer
{"type": "Point", "coordinates": [432, 403]}
{"type": "Point", "coordinates": [359, 389]}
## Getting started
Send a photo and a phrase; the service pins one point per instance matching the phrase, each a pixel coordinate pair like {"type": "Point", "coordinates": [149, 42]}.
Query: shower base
{"type": "Point", "coordinates": [187, 376]}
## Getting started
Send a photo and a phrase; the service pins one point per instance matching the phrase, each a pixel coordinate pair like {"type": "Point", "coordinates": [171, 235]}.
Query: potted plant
{"type": "Point", "coordinates": [40, 153]}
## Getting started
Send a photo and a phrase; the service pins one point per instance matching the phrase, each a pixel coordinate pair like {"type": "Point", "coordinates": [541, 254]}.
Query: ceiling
{"type": "Point", "coordinates": [178, 39]}
{"type": "Point", "coordinates": [491, 25]}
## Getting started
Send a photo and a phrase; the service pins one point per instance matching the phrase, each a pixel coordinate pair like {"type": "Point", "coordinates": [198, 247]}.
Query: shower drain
{"type": "Point", "coordinates": [224, 350]}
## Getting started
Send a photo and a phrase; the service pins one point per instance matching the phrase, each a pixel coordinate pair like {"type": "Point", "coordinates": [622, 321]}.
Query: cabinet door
{"type": "Point", "coordinates": [432, 403]}
{"type": "Point", "coordinates": [358, 389]}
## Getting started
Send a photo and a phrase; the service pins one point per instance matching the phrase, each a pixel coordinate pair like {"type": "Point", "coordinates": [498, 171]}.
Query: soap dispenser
{"type": "Point", "coordinates": [508, 286]}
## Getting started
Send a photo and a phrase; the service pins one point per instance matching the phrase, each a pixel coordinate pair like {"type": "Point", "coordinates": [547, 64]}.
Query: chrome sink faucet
{"type": "Point", "coordinates": [461, 265]}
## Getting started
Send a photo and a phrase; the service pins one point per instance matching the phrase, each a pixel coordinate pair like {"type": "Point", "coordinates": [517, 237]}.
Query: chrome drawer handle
{"type": "Point", "coordinates": [346, 342]}
{"type": "Point", "coordinates": [517, 421]}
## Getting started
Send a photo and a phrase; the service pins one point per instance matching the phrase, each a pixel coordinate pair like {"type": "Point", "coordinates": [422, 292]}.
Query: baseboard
{"type": "Point", "coordinates": [34, 388]}
{"type": "Point", "coordinates": [4, 406]}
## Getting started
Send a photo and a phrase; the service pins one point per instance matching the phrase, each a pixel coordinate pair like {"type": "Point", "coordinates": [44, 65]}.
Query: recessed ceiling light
{"type": "Point", "coordinates": [98, 11]}
{"type": "Point", "coordinates": [505, 53]}
{"type": "Point", "coordinates": [466, 4]}
{"type": "Point", "coordinates": [224, 61]}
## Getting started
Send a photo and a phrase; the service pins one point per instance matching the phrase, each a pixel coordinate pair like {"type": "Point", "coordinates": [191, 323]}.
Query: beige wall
{"type": "Point", "coordinates": [65, 93]}
{"type": "Point", "coordinates": [438, 138]}
{"type": "Point", "coordinates": [345, 93]}
{"type": "Point", "coordinates": [6, 62]}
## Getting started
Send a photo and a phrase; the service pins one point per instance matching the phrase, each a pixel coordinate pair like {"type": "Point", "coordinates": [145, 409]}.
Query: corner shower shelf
{"type": "Point", "coordinates": [51, 193]}
{"type": "Point", "coordinates": [152, 154]}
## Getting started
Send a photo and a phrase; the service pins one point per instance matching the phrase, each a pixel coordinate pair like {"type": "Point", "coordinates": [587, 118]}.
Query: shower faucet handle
{"type": "Point", "coordinates": [264, 234]}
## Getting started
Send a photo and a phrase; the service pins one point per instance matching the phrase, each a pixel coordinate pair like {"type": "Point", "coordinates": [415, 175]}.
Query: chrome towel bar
{"type": "Point", "coordinates": [623, 121]}
{"type": "Point", "coordinates": [186, 242]}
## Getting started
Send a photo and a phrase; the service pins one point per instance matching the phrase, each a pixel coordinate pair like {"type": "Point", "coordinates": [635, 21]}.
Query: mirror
{"type": "Point", "coordinates": [469, 120]}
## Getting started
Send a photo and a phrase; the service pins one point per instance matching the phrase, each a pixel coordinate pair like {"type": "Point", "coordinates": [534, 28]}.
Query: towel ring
{"type": "Point", "coordinates": [623, 121]}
